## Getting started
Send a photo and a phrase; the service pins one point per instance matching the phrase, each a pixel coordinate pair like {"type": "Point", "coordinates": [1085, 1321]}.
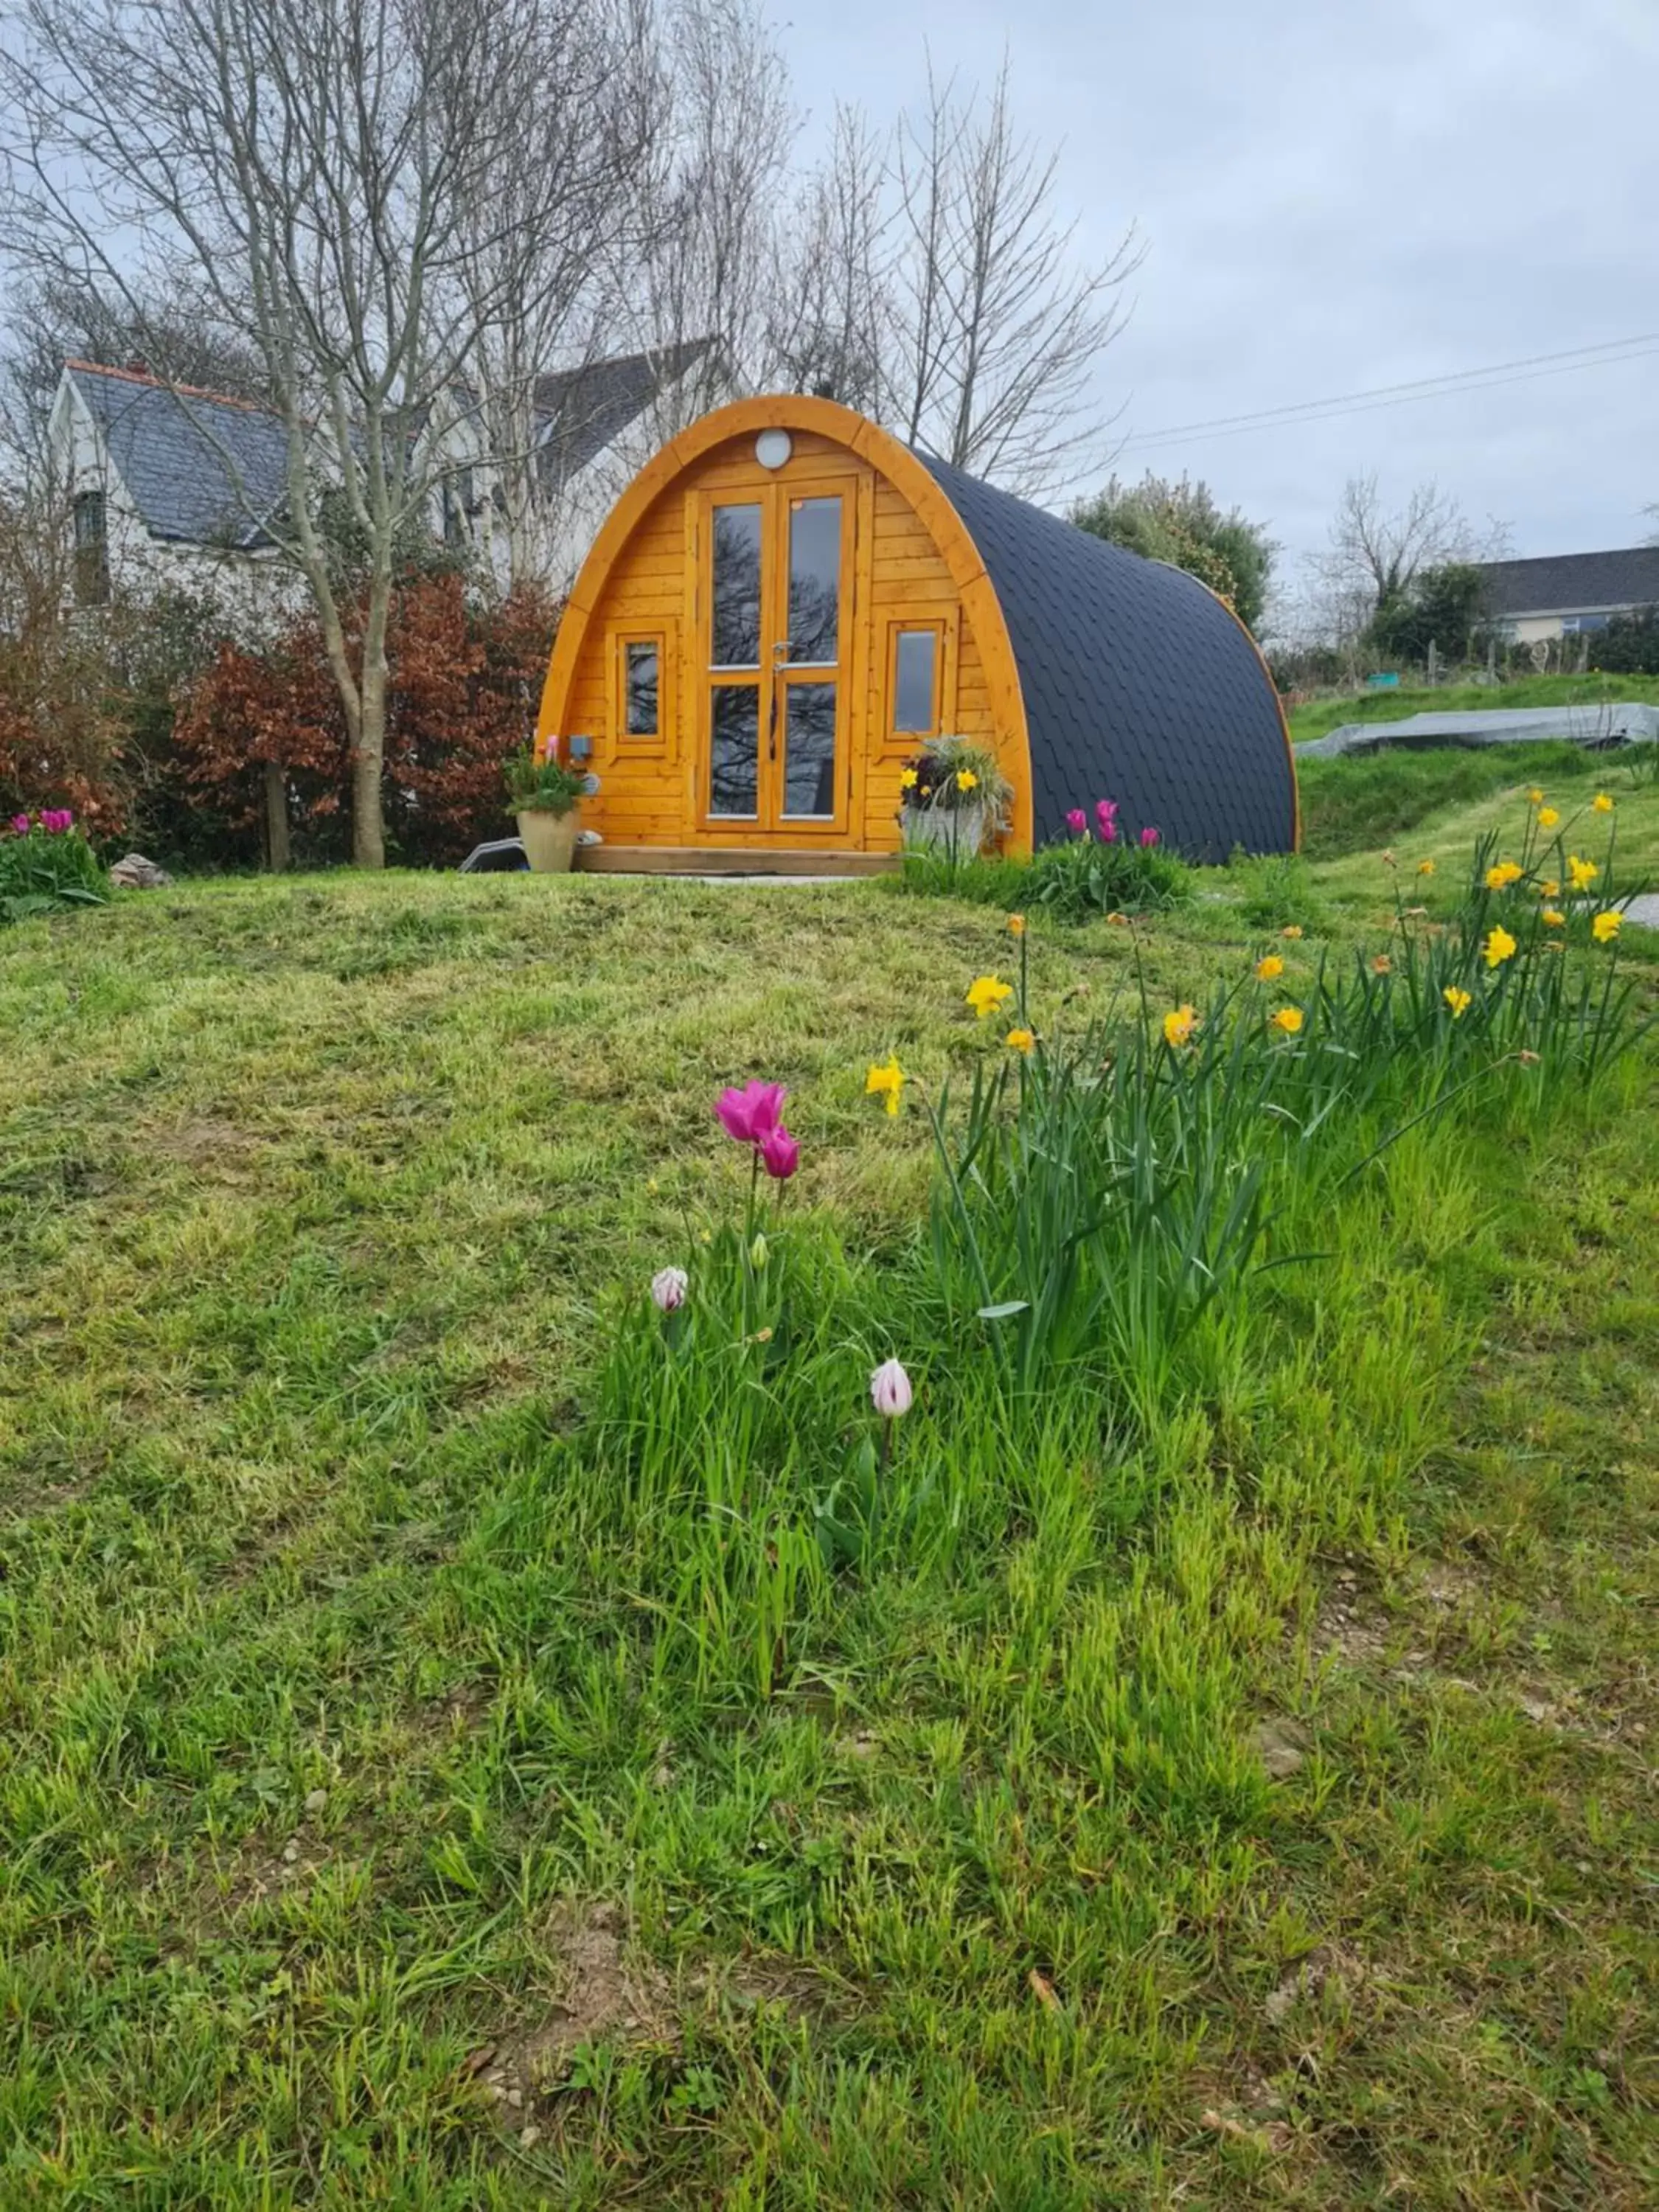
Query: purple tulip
{"type": "Point", "coordinates": [779, 1153]}
{"type": "Point", "coordinates": [1077, 822]}
{"type": "Point", "coordinates": [890, 1390]}
{"type": "Point", "coordinates": [750, 1115]}
{"type": "Point", "coordinates": [668, 1288]}
{"type": "Point", "coordinates": [1149, 836]}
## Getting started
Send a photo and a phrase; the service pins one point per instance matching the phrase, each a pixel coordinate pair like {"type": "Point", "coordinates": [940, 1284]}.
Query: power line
{"type": "Point", "coordinates": [1495, 374]}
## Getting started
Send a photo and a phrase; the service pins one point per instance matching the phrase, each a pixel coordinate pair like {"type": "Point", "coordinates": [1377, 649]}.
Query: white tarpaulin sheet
{"type": "Point", "coordinates": [1626, 723]}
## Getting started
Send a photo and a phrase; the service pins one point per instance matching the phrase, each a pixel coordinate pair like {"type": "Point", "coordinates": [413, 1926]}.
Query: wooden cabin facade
{"type": "Point", "coordinates": [787, 603]}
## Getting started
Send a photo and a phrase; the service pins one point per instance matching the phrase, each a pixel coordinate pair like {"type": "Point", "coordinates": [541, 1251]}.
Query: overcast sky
{"type": "Point", "coordinates": [1340, 195]}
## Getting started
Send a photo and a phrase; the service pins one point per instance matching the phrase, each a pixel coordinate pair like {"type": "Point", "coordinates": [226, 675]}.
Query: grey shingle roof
{"type": "Point", "coordinates": [1139, 684]}
{"type": "Point", "coordinates": [1573, 583]}
{"type": "Point", "coordinates": [201, 469]}
{"type": "Point", "coordinates": [588, 409]}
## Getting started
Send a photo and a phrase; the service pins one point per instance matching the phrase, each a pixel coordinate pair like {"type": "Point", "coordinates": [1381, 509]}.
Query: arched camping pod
{"type": "Point", "coordinates": [786, 602]}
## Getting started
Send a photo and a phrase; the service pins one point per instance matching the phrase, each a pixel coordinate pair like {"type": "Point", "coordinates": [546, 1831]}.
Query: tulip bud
{"type": "Point", "coordinates": [668, 1288]}
{"type": "Point", "coordinates": [757, 1254]}
{"type": "Point", "coordinates": [890, 1390]}
{"type": "Point", "coordinates": [779, 1153]}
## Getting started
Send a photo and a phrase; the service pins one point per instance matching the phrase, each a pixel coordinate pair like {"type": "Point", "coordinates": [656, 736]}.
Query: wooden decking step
{"type": "Point", "coordinates": [729, 861]}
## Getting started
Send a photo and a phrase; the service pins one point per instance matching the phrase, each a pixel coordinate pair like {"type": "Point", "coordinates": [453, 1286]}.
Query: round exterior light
{"type": "Point", "coordinates": [773, 448]}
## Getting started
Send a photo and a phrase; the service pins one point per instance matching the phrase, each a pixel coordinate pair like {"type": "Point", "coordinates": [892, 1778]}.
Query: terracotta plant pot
{"type": "Point", "coordinates": [549, 840]}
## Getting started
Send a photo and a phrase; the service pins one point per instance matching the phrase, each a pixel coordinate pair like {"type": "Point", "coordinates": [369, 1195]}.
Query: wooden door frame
{"type": "Point", "coordinates": [769, 826]}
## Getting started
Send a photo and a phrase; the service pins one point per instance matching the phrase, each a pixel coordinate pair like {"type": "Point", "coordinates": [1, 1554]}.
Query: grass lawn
{"type": "Point", "coordinates": [1252, 1807]}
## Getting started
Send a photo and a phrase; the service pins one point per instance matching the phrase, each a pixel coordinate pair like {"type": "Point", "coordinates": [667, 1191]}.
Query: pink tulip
{"type": "Point", "coordinates": [1149, 836]}
{"type": "Point", "coordinates": [668, 1288]}
{"type": "Point", "coordinates": [1106, 809]}
{"type": "Point", "coordinates": [750, 1115]}
{"type": "Point", "coordinates": [20, 822]}
{"type": "Point", "coordinates": [1077, 822]}
{"type": "Point", "coordinates": [890, 1390]}
{"type": "Point", "coordinates": [1107, 832]}
{"type": "Point", "coordinates": [57, 820]}
{"type": "Point", "coordinates": [779, 1153]}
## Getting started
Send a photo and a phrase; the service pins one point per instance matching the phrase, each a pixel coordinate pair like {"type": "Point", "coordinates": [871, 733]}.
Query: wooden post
{"type": "Point", "coordinates": [278, 853]}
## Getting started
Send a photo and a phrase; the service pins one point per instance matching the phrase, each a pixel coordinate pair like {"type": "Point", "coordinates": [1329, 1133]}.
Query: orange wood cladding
{"type": "Point", "coordinates": [906, 561]}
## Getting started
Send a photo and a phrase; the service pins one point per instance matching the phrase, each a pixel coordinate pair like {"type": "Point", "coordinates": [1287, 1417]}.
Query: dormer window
{"type": "Point", "coordinates": [91, 549]}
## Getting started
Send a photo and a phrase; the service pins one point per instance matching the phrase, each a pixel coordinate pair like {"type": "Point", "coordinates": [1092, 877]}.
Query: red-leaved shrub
{"type": "Point", "coordinates": [466, 680]}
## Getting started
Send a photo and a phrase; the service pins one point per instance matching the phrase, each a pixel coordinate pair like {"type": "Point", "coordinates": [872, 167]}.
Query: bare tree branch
{"type": "Point", "coordinates": [328, 177]}
{"type": "Point", "coordinates": [999, 327]}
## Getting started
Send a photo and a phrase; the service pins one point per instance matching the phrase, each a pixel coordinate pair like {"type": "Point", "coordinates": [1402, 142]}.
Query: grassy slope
{"type": "Point", "coordinates": [311, 1197]}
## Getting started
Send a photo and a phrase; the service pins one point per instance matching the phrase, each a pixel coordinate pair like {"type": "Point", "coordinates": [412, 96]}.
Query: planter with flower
{"type": "Point", "coordinates": [546, 794]}
{"type": "Point", "coordinates": [955, 800]}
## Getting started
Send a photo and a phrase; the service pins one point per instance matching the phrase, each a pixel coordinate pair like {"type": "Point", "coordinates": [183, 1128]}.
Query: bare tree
{"type": "Point", "coordinates": [543, 243]}
{"type": "Point", "coordinates": [325, 175]}
{"type": "Point", "coordinates": [832, 308]}
{"type": "Point", "coordinates": [1376, 554]}
{"type": "Point", "coordinates": [998, 324]}
{"type": "Point", "coordinates": [701, 286]}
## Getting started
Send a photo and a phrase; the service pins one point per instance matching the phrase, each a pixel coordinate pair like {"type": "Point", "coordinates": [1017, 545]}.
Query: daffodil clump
{"type": "Point", "coordinates": [1548, 852]}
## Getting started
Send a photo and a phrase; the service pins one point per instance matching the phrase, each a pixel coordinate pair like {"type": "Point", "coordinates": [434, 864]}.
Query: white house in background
{"type": "Point", "coordinates": [166, 488]}
{"type": "Point", "coordinates": [170, 486]}
{"type": "Point", "coordinates": [1566, 594]}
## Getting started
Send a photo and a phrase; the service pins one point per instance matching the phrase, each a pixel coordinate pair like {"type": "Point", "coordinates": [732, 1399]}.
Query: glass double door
{"type": "Point", "coordinates": [777, 587]}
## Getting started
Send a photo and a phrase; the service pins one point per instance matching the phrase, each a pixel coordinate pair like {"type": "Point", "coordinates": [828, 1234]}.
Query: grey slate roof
{"type": "Point", "coordinates": [201, 469]}
{"type": "Point", "coordinates": [1139, 684]}
{"type": "Point", "coordinates": [1573, 583]}
{"type": "Point", "coordinates": [588, 409]}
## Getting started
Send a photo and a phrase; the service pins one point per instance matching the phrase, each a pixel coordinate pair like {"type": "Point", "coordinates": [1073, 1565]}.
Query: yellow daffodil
{"type": "Point", "coordinates": [1548, 816]}
{"type": "Point", "coordinates": [1118, 921]}
{"type": "Point", "coordinates": [1019, 1040]}
{"type": "Point", "coordinates": [1535, 797]}
{"type": "Point", "coordinates": [1425, 867]}
{"type": "Point", "coordinates": [1605, 927]}
{"type": "Point", "coordinates": [1291, 929]}
{"type": "Point", "coordinates": [1267, 970]}
{"type": "Point", "coordinates": [1288, 1018]}
{"type": "Point", "coordinates": [966, 779]}
{"type": "Point", "coordinates": [1553, 918]}
{"type": "Point", "coordinates": [1382, 965]}
{"type": "Point", "coordinates": [1583, 873]}
{"type": "Point", "coordinates": [1459, 1001]}
{"type": "Point", "coordinates": [886, 1083]}
{"type": "Point", "coordinates": [1016, 925]}
{"type": "Point", "coordinates": [1497, 946]}
{"type": "Point", "coordinates": [1500, 877]}
{"type": "Point", "coordinates": [1601, 804]}
{"type": "Point", "coordinates": [909, 780]}
{"type": "Point", "coordinates": [1178, 1026]}
{"type": "Point", "coordinates": [988, 994]}
{"type": "Point", "coordinates": [1549, 888]}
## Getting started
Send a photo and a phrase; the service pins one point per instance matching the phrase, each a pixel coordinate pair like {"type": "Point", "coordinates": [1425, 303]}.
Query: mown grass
{"type": "Point", "coordinates": [318, 1198]}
